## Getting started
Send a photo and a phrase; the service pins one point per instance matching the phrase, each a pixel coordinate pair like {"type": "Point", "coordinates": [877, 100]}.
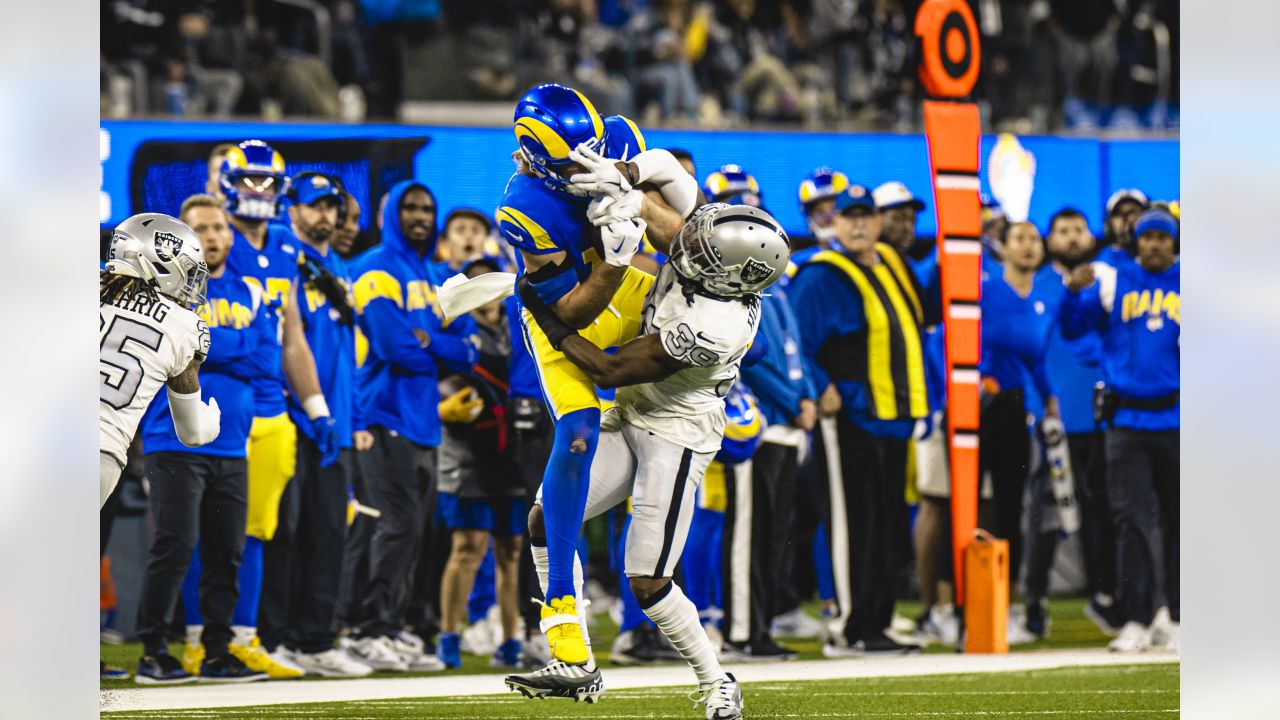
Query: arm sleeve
{"type": "Point", "coordinates": [452, 345]}
{"type": "Point", "coordinates": [195, 422]}
{"type": "Point", "coordinates": [756, 351]}
{"type": "Point", "coordinates": [391, 337]}
{"type": "Point", "coordinates": [1081, 313]}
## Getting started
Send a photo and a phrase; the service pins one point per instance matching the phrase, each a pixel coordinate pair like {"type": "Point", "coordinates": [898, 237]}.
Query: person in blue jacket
{"type": "Point", "coordinates": [300, 596]}
{"type": "Point", "coordinates": [202, 491]}
{"type": "Point", "coordinates": [394, 295]}
{"type": "Point", "coordinates": [860, 309]}
{"type": "Point", "coordinates": [1136, 309]}
{"type": "Point", "coordinates": [1016, 323]}
{"type": "Point", "coordinates": [1074, 370]}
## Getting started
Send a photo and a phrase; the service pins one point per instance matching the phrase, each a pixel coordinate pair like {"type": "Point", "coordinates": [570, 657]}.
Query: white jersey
{"type": "Point", "coordinates": [710, 335]}
{"type": "Point", "coordinates": [143, 341]}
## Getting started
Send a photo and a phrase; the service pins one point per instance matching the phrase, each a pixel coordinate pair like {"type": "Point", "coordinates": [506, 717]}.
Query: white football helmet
{"type": "Point", "coordinates": [163, 251]}
{"type": "Point", "coordinates": [731, 250]}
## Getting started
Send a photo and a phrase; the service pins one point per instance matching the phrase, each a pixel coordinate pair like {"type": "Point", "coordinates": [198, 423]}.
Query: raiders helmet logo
{"type": "Point", "coordinates": [755, 271]}
{"type": "Point", "coordinates": [168, 246]}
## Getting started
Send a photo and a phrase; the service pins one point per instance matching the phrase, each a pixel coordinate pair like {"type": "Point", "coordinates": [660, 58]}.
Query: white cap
{"type": "Point", "coordinates": [1129, 194]}
{"type": "Point", "coordinates": [894, 194]}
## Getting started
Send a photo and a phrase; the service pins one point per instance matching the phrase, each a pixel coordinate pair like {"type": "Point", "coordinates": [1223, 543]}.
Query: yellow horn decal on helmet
{"type": "Point", "coordinates": [807, 191]}
{"type": "Point", "coordinates": [597, 125]}
{"type": "Point", "coordinates": [717, 182]}
{"type": "Point", "coordinates": [277, 162]}
{"type": "Point", "coordinates": [746, 431]}
{"type": "Point", "coordinates": [534, 128]}
{"type": "Point", "coordinates": [236, 158]}
{"type": "Point", "coordinates": [839, 183]}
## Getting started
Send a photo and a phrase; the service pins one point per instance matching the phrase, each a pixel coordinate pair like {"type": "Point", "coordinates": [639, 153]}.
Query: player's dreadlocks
{"type": "Point", "coordinates": [114, 288]}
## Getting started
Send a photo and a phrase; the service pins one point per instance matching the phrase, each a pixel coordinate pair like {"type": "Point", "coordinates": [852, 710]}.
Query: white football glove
{"type": "Point", "coordinates": [602, 176]}
{"type": "Point", "coordinates": [622, 240]}
{"type": "Point", "coordinates": [606, 210]}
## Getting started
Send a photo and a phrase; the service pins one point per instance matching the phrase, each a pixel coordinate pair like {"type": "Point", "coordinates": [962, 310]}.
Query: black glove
{"type": "Point", "coordinates": [329, 285]}
{"type": "Point", "coordinates": [552, 326]}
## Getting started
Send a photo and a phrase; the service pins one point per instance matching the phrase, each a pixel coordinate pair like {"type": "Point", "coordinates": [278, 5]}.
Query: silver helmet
{"type": "Point", "coordinates": [163, 251]}
{"type": "Point", "coordinates": [731, 250]}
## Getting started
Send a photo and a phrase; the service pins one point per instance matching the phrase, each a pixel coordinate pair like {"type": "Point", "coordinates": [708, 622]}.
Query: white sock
{"type": "Point", "coordinates": [193, 634]}
{"type": "Point", "coordinates": [242, 634]}
{"type": "Point", "coordinates": [542, 565]}
{"type": "Point", "coordinates": [677, 618]}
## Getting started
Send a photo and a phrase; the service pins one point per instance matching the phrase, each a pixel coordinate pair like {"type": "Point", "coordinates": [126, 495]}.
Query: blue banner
{"type": "Point", "coordinates": [467, 166]}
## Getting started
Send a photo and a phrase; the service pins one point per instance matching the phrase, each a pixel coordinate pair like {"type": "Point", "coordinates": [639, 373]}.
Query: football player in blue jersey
{"type": "Point", "coordinates": [577, 211]}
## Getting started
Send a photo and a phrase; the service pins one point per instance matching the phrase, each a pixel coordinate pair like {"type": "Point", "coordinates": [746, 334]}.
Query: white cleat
{"type": "Point", "coordinates": [558, 680]}
{"type": "Point", "coordinates": [477, 639]}
{"type": "Point", "coordinates": [379, 653]}
{"type": "Point", "coordinates": [723, 698]}
{"type": "Point", "coordinates": [411, 650]}
{"type": "Point", "coordinates": [1165, 633]}
{"type": "Point", "coordinates": [331, 663]}
{"type": "Point", "coordinates": [1133, 638]}
{"type": "Point", "coordinates": [796, 624]}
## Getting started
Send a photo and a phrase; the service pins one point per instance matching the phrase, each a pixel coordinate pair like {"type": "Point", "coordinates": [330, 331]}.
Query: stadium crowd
{"type": "Point", "coordinates": [364, 506]}
{"type": "Point", "coordinates": [1047, 64]}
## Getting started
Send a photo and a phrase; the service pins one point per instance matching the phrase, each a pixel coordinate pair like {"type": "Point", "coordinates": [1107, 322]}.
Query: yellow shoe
{"type": "Point", "coordinates": [257, 659]}
{"type": "Point", "coordinates": [192, 656]}
{"type": "Point", "coordinates": [564, 635]}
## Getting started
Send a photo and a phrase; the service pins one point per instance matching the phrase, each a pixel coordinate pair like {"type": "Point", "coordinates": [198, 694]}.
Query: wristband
{"type": "Point", "coordinates": [315, 406]}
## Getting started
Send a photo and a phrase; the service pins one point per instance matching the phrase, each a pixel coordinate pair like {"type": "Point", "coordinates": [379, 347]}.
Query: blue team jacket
{"type": "Point", "coordinates": [334, 347]}
{"type": "Point", "coordinates": [239, 324]}
{"type": "Point", "coordinates": [395, 293]}
{"type": "Point", "coordinates": [273, 269]}
{"type": "Point", "coordinates": [1074, 366]}
{"type": "Point", "coordinates": [778, 379]}
{"type": "Point", "coordinates": [1015, 335]}
{"type": "Point", "coordinates": [1138, 317]}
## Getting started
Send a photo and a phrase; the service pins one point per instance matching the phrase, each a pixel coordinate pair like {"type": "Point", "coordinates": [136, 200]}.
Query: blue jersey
{"type": "Point", "coordinates": [238, 324]}
{"type": "Point", "coordinates": [394, 294]}
{"type": "Point", "coordinates": [1015, 335]}
{"type": "Point", "coordinates": [333, 344]}
{"type": "Point", "coordinates": [1138, 316]}
{"type": "Point", "coordinates": [1073, 364]}
{"type": "Point", "coordinates": [272, 269]}
{"type": "Point", "coordinates": [539, 220]}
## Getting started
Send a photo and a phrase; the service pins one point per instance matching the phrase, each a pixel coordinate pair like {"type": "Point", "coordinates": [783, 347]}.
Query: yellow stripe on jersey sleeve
{"type": "Point", "coordinates": [541, 238]}
{"type": "Point", "coordinates": [376, 284]}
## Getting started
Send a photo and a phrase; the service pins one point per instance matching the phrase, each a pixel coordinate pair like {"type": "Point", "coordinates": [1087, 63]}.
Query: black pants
{"type": "Point", "coordinates": [355, 557]}
{"type": "Point", "coordinates": [531, 446]}
{"type": "Point", "coordinates": [194, 496]}
{"type": "Point", "coordinates": [400, 478]}
{"type": "Point", "coordinates": [1089, 464]}
{"type": "Point", "coordinates": [1142, 485]}
{"type": "Point", "coordinates": [757, 525]}
{"type": "Point", "coordinates": [302, 565]}
{"type": "Point", "coordinates": [871, 491]}
{"type": "Point", "coordinates": [1004, 450]}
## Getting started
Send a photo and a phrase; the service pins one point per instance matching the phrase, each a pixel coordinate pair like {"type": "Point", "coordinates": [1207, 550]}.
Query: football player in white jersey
{"type": "Point", "coordinates": [700, 317]}
{"type": "Point", "coordinates": [149, 336]}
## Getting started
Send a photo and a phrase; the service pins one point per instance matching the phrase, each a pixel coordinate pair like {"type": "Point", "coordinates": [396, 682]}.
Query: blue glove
{"type": "Point", "coordinates": [324, 431]}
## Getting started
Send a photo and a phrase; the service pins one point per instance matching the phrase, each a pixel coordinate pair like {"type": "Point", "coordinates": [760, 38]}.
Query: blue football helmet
{"type": "Point", "coordinates": [551, 120]}
{"type": "Point", "coordinates": [733, 185]}
{"type": "Point", "coordinates": [745, 427]}
{"type": "Point", "coordinates": [253, 181]}
{"type": "Point", "coordinates": [821, 184]}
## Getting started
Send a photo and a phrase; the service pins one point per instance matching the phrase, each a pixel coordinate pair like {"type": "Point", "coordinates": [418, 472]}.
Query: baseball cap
{"type": "Point", "coordinates": [855, 196]}
{"type": "Point", "coordinates": [315, 187]}
{"type": "Point", "coordinates": [895, 194]}
{"type": "Point", "coordinates": [1126, 194]}
{"type": "Point", "coordinates": [1155, 219]}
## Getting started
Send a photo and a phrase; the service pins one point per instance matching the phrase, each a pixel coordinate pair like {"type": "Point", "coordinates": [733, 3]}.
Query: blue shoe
{"type": "Point", "coordinates": [507, 655]}
{"type": "Point", "coordinates": [112, 672]}
{"type": "Point", "coordinates": [163, 669]}
{"type": "Point", "coordinates": [227, 669]}
{"type": "Point", "coordinates": [449, 649]}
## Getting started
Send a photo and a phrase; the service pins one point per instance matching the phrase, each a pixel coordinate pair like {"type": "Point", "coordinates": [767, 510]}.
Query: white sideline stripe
{"type": "Point", "coordinates": [451, 686]}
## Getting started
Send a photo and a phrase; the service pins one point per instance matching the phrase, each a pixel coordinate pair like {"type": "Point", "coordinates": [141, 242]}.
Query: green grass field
{"type": "Point", "coordinates": [1126, 691]}
{"type": "Point", "coordinates": [1070, 629]}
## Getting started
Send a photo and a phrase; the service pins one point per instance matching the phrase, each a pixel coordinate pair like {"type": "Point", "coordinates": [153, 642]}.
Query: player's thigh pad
{"type": "Point", "coordinates": [273, 455]}
{"type": "Point", "coordinates": [662, 502]}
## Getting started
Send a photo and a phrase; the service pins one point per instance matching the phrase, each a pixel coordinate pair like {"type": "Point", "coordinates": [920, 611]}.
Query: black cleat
{"type": "Point", "coordinates": [161, 669]}
{"type": "Point", "coordinates": [560, 680]}
{"type": "Point", "coordinates": [227, 669]}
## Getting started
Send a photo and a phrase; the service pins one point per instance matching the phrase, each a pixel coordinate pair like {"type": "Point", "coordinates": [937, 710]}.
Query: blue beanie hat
{"type": "Point", "coordinates": [1155, 219]}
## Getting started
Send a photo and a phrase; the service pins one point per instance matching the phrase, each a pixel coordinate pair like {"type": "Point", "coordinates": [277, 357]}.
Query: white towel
{"type": "Point", "coordinates": [460, 295]}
